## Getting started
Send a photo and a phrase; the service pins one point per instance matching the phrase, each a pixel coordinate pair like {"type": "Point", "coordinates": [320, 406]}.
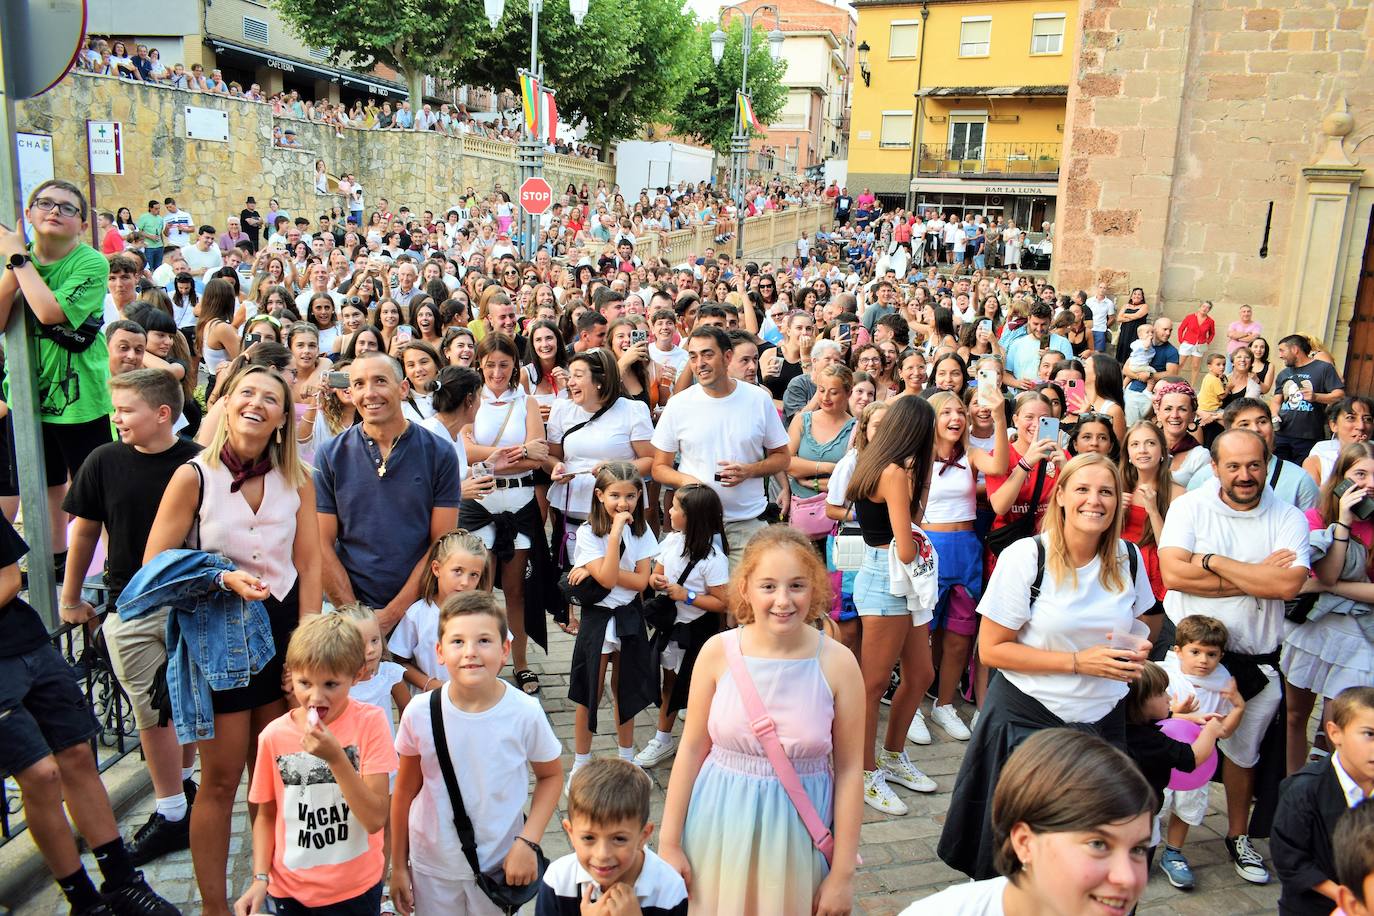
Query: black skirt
{"type": "Point", "coordinates": [1009, 717]}
{"type": "Point", "coordinates": [638, 678]}
{"type": "Point", "coordinates": [265, 686]}
{"type": "Point", "coordinates": [691, 637]}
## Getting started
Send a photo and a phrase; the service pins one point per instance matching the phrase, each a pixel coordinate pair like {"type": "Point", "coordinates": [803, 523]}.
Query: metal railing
{"type": "Point", "coordinates": [1009, 159]}
{"type": "Point", "coordinates": [763, 235]}
{"type": "Point", "coordinates": [81, 646]}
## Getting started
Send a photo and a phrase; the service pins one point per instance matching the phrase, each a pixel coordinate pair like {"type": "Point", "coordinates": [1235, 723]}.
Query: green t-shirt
{"type": "Point", "coordinates": [150, 227]}
{"type": "Point", "coordinates": [73, 387]}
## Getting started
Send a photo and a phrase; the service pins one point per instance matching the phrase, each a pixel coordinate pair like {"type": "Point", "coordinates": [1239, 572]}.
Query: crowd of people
{"type": "Point", "coordinates": [138, 62]}
{"type": "Point", "coordinates": [765, 497]}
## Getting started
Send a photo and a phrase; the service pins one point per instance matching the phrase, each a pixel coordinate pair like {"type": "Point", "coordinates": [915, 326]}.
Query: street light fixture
{"type": "Point", "coordinates": [863, 62]}
{"type": "Point", "coordinates": [739, 140]}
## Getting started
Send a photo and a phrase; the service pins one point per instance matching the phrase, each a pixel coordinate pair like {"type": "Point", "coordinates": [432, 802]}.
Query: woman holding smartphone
{"type": "Point", "coordinates": [1035, 456]}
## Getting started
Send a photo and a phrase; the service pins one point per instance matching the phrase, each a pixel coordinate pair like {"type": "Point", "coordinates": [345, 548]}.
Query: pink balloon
{"type": "Point", "coordinates": [1187, 731]}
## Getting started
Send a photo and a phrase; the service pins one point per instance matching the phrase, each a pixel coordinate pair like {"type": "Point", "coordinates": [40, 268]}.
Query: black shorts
{"type": "Point", "coordinates": [365, 904]}
{"type": "Point", "coordinates": [65, 447]}
{"type": "Point", "coordinates": [42, 709]}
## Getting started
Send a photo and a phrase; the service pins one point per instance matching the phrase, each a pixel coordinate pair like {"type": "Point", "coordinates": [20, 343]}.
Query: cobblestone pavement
{"type": "Point", "coordinates": [899, 853]}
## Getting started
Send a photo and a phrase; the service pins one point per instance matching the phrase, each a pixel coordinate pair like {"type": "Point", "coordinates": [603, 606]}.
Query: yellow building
{"type": "Point", "coordinates": [959, 104]}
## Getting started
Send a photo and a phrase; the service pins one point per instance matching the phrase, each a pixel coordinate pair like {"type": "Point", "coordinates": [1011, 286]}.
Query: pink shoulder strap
{"type": "Point", "coordinates": [765, 730]}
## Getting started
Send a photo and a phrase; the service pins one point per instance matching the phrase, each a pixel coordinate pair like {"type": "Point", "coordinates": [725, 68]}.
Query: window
{"type": "Point", "coordinates": [966, 133]}
{"type": "Point", "coordinates": [901, 41]}
{"type": "Point", "coordinates": [1047, 33]}
{"type": "Point", "coordinates": [975, 36]}
{"type": "Point", "coordinates": [255, 30]}
{"type": "Point", "coordinates": [896, 129]}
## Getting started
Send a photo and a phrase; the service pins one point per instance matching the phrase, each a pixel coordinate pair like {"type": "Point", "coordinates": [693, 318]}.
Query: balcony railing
{"type": "Point", "coordinates": [1003, 160]}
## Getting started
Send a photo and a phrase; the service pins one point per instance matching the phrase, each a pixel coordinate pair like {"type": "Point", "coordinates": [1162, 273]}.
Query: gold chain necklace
{"type": "Point", "coordinates": [386, 455]}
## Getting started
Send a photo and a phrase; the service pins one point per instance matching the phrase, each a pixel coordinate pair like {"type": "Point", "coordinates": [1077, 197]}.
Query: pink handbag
{"type": "Point", "coordinates": [807, 515]}
{"type": "Point", "coordinates": [764, 729]}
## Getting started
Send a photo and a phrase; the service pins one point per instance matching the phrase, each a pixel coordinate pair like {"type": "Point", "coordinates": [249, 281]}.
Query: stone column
{"type": "Point", "coordinates": [1323, 215]}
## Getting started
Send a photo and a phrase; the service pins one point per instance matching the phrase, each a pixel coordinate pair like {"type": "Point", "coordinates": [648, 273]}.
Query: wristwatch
{"type": "Point", "coordinates": [261, 876]}
{"type": "Point", "coordinates": [17, 260]}
{"type": "Point", "coordinates": [691, 597]}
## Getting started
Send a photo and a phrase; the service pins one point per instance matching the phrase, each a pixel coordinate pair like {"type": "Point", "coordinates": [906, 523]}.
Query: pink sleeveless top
{"type": "Point", "coordinates": [258, 542]}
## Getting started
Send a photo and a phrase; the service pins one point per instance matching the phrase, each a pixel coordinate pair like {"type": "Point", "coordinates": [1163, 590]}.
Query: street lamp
{"type": "Point", "coordinates": [739, 139]}
{"type": "Point", "coordinates": [863, 50]}
{"type": "Point", "coordinates": [531, 148]}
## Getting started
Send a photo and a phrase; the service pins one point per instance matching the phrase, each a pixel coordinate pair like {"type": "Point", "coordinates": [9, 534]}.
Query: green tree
{"type": "Point", "coordinates": [624, 67]}
{"type": "Point", "coordinates": [413, 37]}
{"type": "Point", "coordinates": [707, 110]}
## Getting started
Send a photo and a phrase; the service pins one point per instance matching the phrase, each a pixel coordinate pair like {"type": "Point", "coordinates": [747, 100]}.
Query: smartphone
{"type": "Point", "coordinates": [1073, 394]}
{"type": "Point", "coordinates": [638, 336]}
{"type": "Point", "coordinates": [1049, 429]}
{"type": "Point", "coordinates": [1362, 509]}
{"type": "Point", "coordinates": [985, 325]}
{"type": "Point", "coordinates": [254, 338]}
{"type": "Point", "coordinates": [845, 332]}
{"type": "Point", "coordinates": [336, 380]}
{"type": "Point", "coordinates": [405, 334]}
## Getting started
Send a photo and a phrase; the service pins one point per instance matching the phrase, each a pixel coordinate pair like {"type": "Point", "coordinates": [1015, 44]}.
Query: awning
{"type": "Point", "coordinates": [1003, 188]}
{"type": "Point", "coordinates": [347, 78]}
{"type": "Point", "coordinates": [964, 92]}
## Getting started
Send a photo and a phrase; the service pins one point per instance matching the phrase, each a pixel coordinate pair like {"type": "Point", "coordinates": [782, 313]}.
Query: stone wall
{"type": "Point", "coordinates": [1186, 119]}
{"type": "Point", "coordinates": [211, 179]}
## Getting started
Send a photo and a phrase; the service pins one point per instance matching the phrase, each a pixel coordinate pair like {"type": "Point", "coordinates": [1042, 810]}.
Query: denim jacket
{"type": "Point", "coordinates": [215, 639]}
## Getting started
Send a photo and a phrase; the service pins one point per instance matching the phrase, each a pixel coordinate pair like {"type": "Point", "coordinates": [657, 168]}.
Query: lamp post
{"type": "Point", "coordinates": [530, 151]}
{"type": "Point", "coordinates": [918, 128]}
{"type": "Point", "coordinates": [739, 139]}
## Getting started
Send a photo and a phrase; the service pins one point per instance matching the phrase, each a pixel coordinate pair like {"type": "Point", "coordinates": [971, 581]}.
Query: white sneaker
{"type": "Point", "coordinates": [567, 786]}
{"type": "Point", "coordinates": [878, 795]}
{"type": "Point", "coordinates": [917, 733]}
{"type": "Point", "coordinates": [948, 719]}
{"type": "Point", "coordinates": [655, 752]}
{"type": "Point", "coordinates": [899, 769]}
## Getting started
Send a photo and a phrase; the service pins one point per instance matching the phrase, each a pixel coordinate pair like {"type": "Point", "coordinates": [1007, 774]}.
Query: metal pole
{"type": "Point", "coordinates": [21, 363]}
{"type": "Point", "coordinates": [740, 145]}
{"type": "Point", "coordinates": [918, 127]}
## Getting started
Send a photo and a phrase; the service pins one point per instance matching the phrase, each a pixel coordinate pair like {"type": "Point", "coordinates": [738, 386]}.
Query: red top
{"type": "Point", "coordinates": [1195, 332]}
{"type": "Point", "coordinates": [112, 243]}
{"type": "Point", "coordinates": [1133, 529]}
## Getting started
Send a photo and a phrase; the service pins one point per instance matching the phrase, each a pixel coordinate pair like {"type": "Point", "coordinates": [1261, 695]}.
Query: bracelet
{"type": "Point", "coordinates": [531, 844]}
{"type": "Point", "coordinates": [1342, 524]}
{"type": "Point", "coordinates": [1207, 561]}
{"type": "Point", "coordinates": [71, 607]}
{"type": "Point", "coordinates": [261, 876]}
{"type": "Point", "coordinates": [1344, 540]}
{"type": "Point", "coordinates": [1074, 658]}
{"type": "Point", "coordinates": [1023, 466]}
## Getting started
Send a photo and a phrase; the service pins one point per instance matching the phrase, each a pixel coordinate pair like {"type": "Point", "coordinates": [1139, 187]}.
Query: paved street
{"type": "Point", "coordinates": [899, 853]}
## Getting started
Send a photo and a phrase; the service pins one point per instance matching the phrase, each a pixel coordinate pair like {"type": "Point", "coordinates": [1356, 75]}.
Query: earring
{"type": "Point", "coordinates": [279, 429]}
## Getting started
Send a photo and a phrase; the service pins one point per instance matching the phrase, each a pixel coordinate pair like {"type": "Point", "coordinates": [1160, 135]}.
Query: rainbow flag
{"type": "Point", "coordinates": [746, 114]}
{"type": "Point", "coordinates": [529, 100]}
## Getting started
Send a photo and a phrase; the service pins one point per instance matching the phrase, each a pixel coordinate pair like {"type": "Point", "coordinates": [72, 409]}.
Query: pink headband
{"type": "Point", "coordinates": [1173, 388]}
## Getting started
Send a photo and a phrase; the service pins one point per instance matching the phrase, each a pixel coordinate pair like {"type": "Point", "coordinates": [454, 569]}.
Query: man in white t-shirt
{"type": "Point", "coordinates": [177, 225]}
{"type": "Point", "coordinates": [319, 285]}
{"type": "Point", "coordinates": [664, 352]}
{"type": "Point", "coordinates": [1103, 311]}
{"type": "Point", "coordinates": [724, 434]}
{"type": "Point", "coordinates": [1235, 552]}
{"type": "Point", "coordinates": [203, 258]}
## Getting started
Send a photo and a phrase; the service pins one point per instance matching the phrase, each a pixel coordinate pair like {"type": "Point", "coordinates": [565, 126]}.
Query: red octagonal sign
{"type": "Point", "coordinates": [535, 195]}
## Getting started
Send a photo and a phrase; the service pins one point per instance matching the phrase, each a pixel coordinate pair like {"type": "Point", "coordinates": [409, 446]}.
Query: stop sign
{"type": "Point", "coordinates": [535, 195]}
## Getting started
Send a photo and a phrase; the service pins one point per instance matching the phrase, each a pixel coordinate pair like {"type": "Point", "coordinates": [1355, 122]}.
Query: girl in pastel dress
{"type": "Point", "coordinates": [729, 825]}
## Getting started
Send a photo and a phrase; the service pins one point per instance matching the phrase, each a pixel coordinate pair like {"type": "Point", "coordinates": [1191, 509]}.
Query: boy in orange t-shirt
{"type": "Point", "coordinates": [321, 785]}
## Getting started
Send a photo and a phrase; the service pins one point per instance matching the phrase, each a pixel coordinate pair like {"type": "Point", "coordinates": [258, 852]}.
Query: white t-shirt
{"type": "Point", "coordinates": [491, 428]}
{"type": "Point", "coordinates": [590, 547]}
{"type": "Point", "coordinates": [703, 430]}
{"type": "Point", "coordinates": [712, 571]}
{"type": "Point", "coordinates": [1207, 690]}
{"type": "Point", "coordinates": [1199, 522]}
{"type": "Point", "coordinates": [1326, 452]}
{"type": "Point", "coordinates": [973, 898]}
{"type": "Point", "coordinates": [1067, 617]}
{"type": "Point", "coordinates": [180, 229]}
{"type": "Point", "coordinates": [211, 261]}
{"type": "Point", "coordinates": [416, 636]}
{"type": "Point", "coordinates": [303, 307]}
{"type": "Point", "coordinates": [491, 752]}
{"type": "Point", "coordinates": [839, 478]}
{"type": "Point", "coordinates": [608, 439]}
{"type": "Point", "coordinates": [376, 690]}
{"type": "Point", "coordinates": [1101, 309]}
{"type": "Point", "coordinates": [676, 358]}
{"type": "Point", "coordinates": [435, 424]}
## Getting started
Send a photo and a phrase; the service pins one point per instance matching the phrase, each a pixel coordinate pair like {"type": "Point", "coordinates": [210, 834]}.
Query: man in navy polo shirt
{"type": "Point", "coordinates": [385, 490]}
{"type": "Point", "coordinates": [1164, 362]}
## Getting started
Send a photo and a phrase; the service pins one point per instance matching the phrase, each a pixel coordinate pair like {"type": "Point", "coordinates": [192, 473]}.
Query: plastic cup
{"type": "Point", "coordinates": [1127, 641]}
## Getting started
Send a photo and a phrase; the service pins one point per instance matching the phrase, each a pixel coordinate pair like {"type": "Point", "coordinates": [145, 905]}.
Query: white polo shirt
{"type": "Point", "coordinates": [1199, 522]}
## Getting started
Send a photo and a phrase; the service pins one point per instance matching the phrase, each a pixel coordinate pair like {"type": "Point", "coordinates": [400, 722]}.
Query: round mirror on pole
{"type": "Point", "coordinates": [578, 8]}
{"type": "Point", "coordinates": [494, 10]}
{"type": "Point", "coordinates": [717, 46]}
{"type": "Point", "coordinates": [775, 40]}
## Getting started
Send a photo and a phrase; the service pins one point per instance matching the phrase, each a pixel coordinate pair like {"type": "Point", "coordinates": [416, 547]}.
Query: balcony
{"type": "Point", "coordinates": [990, 160]}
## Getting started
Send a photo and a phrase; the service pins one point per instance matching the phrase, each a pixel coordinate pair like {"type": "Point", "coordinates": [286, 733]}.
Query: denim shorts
{"type": "Point", "coordinates": [872, 592]}
{"type": "Point", "coordinates": [42, 709]}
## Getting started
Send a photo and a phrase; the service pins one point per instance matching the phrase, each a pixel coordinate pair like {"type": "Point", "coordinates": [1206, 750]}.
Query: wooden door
{"type": "Point", "coordinates": [1359, 360]}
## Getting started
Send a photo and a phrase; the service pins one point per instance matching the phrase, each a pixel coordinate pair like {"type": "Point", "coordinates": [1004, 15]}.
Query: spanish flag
{"type": "Point", "coordinates": [746, 114]}
{"type": "Point", "coordinates": [529, 100]}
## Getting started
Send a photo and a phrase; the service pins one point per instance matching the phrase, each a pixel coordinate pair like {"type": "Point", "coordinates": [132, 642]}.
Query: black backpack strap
{"type": "Point", "coordinates": [1133, 557]}
{"type": "Point", "coordinates": [1039, 568]}
{"type": "Point", "coordinates": [461, 822]}
{"type": "Point", "coordinates": [1274, 477]}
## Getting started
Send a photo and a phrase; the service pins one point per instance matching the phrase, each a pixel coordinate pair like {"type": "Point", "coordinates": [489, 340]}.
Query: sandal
{"type": "Point", "coordinates": [525, 679]}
